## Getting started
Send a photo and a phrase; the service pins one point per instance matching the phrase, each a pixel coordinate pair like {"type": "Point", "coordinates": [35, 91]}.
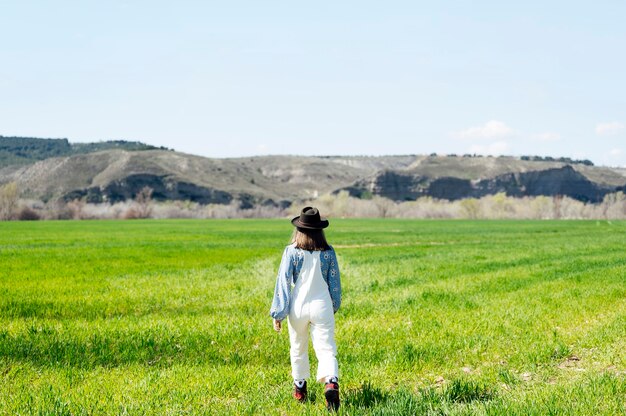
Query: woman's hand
{"type": "Point", "coordinates": [277, 325]}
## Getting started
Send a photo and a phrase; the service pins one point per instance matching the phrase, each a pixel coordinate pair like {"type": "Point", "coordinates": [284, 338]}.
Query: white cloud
{"type": "Point", "coordinates": [262, 148]}
{"type": "Point", "coordinates": [547, 136]}
{"type": "Point", "coordinates": [496, 148]}
{"type": "Point", "coordinates": [615, 152]}
{"type": "Point", "coordinates": [491, 130]}
{"type": "Point", "coordinates": [607, 129]}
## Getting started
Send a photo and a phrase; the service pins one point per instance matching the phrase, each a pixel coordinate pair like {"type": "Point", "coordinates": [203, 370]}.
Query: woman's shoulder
{"type": "Point", "coordinates": [291, 249]}
{"type": "Point", "coordinates": [294, 254]}
{"type": "Point", "coordinates": [328, 253]}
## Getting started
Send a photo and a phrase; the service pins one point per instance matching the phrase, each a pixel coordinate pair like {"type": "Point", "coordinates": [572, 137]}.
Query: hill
{"type": "Point", "coordinates": [116, 171]}
{"type": "Point", "coordinates": [25, 150]}
{"type": "Point", "coordinates": [115, 175]}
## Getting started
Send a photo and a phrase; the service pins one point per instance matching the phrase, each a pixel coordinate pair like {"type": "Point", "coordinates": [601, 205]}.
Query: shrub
{"type": "Point", "coordinates": [27, 214]}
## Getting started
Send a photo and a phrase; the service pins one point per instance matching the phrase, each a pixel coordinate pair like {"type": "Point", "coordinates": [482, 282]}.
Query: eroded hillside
{"type": "Point", "coordinates": [116, 175]}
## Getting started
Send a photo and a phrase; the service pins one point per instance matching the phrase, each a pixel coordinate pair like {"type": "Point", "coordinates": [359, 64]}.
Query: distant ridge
{"type": "Point", "coordinates": [112, 171]}
{"type": "Point", "coordinates": [23, 150]}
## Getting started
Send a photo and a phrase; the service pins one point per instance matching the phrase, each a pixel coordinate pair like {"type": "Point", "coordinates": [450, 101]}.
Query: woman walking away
{"type": "Point", "coordinates": [308, 291]}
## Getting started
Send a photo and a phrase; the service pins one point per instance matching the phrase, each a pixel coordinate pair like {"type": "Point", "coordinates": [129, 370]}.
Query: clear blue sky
{"type": "Point", "coordinates": [238, 78]}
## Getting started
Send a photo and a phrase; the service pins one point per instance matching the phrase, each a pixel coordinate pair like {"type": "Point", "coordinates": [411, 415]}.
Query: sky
{"type": "Point", "coordinates": [241, 78]}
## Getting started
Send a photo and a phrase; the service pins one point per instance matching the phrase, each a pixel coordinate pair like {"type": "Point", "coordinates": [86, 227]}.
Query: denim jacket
{"type": "Point", "coordinates": [288, 272]}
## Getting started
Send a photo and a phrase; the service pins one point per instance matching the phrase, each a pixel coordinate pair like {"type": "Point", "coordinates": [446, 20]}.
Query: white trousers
{"type": "Point", "coordinates": [318, 316]}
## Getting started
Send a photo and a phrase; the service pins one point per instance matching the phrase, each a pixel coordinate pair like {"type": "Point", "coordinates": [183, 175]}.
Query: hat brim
{"type": "Point", "coordinates": [319, 226]}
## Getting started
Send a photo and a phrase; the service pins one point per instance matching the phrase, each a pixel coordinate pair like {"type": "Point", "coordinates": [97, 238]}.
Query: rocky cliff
{"type": "Point", "coordinates": [404, 186]}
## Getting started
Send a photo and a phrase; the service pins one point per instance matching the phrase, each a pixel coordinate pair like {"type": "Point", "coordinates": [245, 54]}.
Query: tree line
{"type": "Point", "coordinates": [341, 205]}
{"type": "Point", "coordinates": [24, 150]}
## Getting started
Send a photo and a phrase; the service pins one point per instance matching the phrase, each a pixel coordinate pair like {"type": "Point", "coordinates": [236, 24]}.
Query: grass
{"type": "Point", "coordinates": [439, 317]}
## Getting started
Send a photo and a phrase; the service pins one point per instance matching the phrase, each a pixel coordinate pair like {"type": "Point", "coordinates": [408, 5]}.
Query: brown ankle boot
{"type": "Point", "coordinates": [300, 393]}
{"type": "Point", "coordinates": [331, 392]}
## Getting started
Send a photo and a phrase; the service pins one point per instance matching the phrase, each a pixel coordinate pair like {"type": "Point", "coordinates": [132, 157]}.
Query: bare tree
{"type": "Point", "coordinates": [384, 205]}
{"type": "Point", "coordinates": [76, 207]}
{"type": "Point", "coordinates": [8, 201]}
{"type": "Point", "coordinates": [558, 199]}
{"type": "Point", "coordinates": [613, 206]}
{"type": "Point", "coordinates": [470, 208]}
{"type": "Point", "coordinates": [142, 208]}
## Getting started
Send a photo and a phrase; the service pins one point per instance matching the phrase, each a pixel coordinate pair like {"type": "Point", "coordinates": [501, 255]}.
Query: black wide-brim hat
{"type": "Point", "coordinates": [310, 218]}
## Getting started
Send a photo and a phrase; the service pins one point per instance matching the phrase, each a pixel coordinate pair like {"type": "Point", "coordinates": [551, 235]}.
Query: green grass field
{"type": "Point", "coordinates": [438, 317]}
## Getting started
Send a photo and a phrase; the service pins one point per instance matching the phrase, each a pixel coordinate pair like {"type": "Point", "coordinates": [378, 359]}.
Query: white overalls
{"type": "Point", "coordinates": [311, 305]}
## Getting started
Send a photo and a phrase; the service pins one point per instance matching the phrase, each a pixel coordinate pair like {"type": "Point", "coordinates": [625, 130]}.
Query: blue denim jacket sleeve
{"type": "Point", "coordinates": [284, 281]}
{"type": "Point", "coordinates": [330, 272]}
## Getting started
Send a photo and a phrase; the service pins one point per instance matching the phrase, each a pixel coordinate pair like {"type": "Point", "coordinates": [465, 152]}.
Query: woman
{"type": "Point", "coordinates": [308, 291]}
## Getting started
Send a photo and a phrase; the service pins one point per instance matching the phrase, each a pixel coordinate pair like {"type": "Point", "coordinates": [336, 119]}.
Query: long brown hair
{"type": "Point", "coordinates": [311, 240]}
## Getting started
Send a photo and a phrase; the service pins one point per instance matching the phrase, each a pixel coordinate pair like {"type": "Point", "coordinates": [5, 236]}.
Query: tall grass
{"type": "Point", "coordinates": [439, 317]}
